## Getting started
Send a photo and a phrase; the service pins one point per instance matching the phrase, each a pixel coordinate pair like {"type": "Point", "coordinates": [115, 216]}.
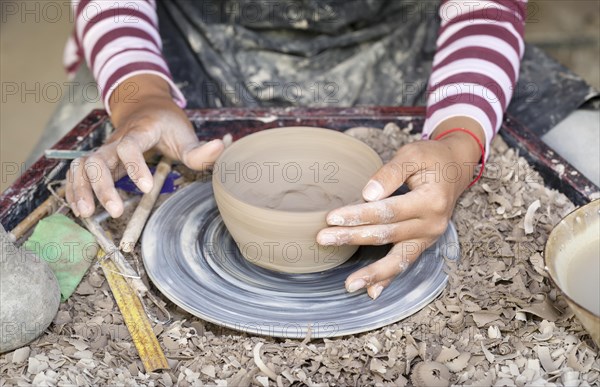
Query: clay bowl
{"type": "Point", "coordinates": [274, 189]}
{"type": "Point", "coordinates": [581, 227]}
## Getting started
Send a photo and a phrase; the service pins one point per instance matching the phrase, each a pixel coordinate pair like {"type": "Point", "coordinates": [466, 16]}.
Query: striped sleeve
{"type": "Point", "coordinates": [117, 39]}
{"type": "Point", "coordinates": [475, 69]}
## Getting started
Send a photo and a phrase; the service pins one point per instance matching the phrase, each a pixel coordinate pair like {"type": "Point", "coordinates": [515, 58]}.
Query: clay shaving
{"type": "Point", "coordinates": [498, 322]}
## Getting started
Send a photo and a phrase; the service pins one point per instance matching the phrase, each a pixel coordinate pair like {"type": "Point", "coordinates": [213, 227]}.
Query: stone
{"type": "Point", "coordinates": [29, 295]}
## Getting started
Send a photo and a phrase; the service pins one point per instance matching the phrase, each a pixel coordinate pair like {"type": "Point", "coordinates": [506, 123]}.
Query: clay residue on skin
{"type": "Point", "coordinates": [366, 213]}
{"type": "Point", "coordinates": [302, 197]}
{"type": "Point", "coordinates": [377, 235]}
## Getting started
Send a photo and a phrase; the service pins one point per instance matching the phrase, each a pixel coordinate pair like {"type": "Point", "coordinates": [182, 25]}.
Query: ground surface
{"type": "Point", "coordinates": [499, 321]}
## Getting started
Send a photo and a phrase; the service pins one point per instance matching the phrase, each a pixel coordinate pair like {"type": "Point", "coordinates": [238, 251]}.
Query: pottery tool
{"type": "Point", "coordinates": [37, 214]}
{"type": "Point", "coordinates": [190, 256]}
{"type": "Point", "coordinates": [135, 318]}
{"type": "Point", "coordinates": [142, 212]}
{"type": "Point", "coordinates": [124, 268]}
{"type": "Point", "coordinates": [61, 154]}
{"type": "Point", "coordinates": [169, 185]}
{"type": "Point", "coordinates": [128, 290]}
{"type": "Point", "coordinates": [102, 216]}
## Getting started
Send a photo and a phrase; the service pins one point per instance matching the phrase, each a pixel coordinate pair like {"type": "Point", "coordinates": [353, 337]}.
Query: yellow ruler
{"type": "Point", "coordinates": [135, 317]}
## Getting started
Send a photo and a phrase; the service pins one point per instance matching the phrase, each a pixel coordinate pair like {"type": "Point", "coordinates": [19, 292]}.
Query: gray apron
{"type": "Point", "coordinates": [308, 52]}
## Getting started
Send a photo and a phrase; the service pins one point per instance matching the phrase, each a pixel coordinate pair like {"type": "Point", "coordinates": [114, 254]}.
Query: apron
{"type": "Point", "coordinates": [334, 53]}
{"type": "Point", "coordinates": [309, 52]}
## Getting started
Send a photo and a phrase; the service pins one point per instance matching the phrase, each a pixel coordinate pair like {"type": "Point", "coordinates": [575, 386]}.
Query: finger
{"type": "Point", "coordinates": [380, 234]}
{"type": "Point", "coordinates": [192, 153]}
{"type": "Point", "coordinates": [200, 156]}
{"type": "Point", "coordinates": [69, 193]}
{"type": "Point", "coordinates": [108, 153]}
{"type": "Point", "coordinates": [374, 291]}
{"type": "Point", "coordinates": [386, 211]}
{"type": "Point", "coordinates": [82, 190]}
{"type": "Point", "coordinates": [392, 175]}
{"type": "Point", "coordinates": [119, 170]}
{"type": "Point", "coordinates": [104, 187]}
{"type": "Point", "coordinates": [400, 257]}
{"type": "Point", "coordinates": [131, 150]}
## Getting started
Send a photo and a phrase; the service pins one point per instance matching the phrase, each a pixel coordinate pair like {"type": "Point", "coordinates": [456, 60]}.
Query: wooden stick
{"type": "Point", "coordinates": [36, 215]}
{"type": "Point", "coordinates": [142, 212]}
{"type": "Point", "coordinates": [116, 256]}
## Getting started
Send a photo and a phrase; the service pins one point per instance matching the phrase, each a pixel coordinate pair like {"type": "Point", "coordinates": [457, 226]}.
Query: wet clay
{"type": "Point", "coordinates": [306, 197]}
{"type": "Point", "coordinates": [274, 189]}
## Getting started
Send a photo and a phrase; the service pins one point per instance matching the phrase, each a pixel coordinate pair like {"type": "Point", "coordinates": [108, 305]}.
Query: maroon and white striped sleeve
{"type": "Point", "coordinates": [117, 39]}
{"type": "Point", "coordinates": [475, 69]}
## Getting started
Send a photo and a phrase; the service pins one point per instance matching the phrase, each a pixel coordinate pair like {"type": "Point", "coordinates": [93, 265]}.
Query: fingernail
{"type": "Point", "coordinates": [356, 285]}
{"type": "Point", "coordinates": [372, 191]}
{"type": "Point", "coordinates": [75, 210]}
{"type": "Point", "coordinates": [214, 144]}
{"type": "Point", "coordinates": [112, 207]}
{"type": "Point", "coordinates": [327, 239]}
{"type": "Point", "coordinates": [377, 291]}
{"type": "Point", "coordinates": [335, 220]}
{"type": "Point", "coordinates": [145, 185]}
{"type": "Point", "coordinates": [83, 208]}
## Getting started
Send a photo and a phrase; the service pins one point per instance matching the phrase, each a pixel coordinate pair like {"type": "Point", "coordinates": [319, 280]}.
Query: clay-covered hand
{"type": "Point", "coordinates": [149, 119]}
{"type": "Point", "coordinates": [436, 172]}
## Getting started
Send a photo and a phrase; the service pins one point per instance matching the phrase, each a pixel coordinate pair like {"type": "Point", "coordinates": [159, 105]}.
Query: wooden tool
{"type": "Point", "coordinates": [135, 317]}
{"type": "Point", "coordinates": [36, 215]}
{"type": "Point", "coordinates": [123, 267]}
{"type": "Point", "coordinates": [142, 212]}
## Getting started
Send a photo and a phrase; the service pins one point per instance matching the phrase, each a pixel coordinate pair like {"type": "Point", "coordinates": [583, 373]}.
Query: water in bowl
{"type": "Point", "coordinates": [583, 274]}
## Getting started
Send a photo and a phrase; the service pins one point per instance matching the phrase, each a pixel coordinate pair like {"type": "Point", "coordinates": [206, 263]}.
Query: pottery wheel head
{"type": "Point", "coordinates": [191, 258]}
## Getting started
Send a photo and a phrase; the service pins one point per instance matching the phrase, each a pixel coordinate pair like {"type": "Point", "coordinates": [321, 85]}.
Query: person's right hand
{"type": "Point", "coordinates": [153, 120]}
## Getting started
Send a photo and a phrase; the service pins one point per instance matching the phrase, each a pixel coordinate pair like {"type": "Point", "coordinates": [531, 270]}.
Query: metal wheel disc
{"type": "Point", "coordinates": [191, 258]}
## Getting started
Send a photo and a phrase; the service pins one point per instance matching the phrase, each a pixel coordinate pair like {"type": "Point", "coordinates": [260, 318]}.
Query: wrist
{"type": "Point", "coordinates": [464, 146]}
{"type": "Point", "coordinates": [136, 92]}
{"type": "Point", "coordinates": [465, 140]}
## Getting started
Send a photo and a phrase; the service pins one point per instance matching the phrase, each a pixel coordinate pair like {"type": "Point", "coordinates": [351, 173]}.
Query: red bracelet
{"type": "Point", "coordinates": [481, 147]}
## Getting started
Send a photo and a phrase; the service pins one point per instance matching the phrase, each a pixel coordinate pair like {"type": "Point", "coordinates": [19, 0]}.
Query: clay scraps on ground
{"type": "Point", "coordinates": [498, 322]}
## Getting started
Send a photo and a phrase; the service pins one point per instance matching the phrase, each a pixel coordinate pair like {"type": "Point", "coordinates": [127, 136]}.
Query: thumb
{"type": "Point", "coordinates": [181, 142]}
{"type": "Point", "coordinates": [389, 178]}
{"type": "Point", "coordinates": [200, 155]}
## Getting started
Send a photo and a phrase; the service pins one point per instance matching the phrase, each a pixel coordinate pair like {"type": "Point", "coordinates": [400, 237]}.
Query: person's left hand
{"type": "Point", "coordinates": [413, 221]}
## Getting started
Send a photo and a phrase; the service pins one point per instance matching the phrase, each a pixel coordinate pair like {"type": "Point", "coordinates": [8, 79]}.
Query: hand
{"type": "Point", "coordinates": [436, 172]}
{"type": "Point", "coordinates": [152, 121]}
